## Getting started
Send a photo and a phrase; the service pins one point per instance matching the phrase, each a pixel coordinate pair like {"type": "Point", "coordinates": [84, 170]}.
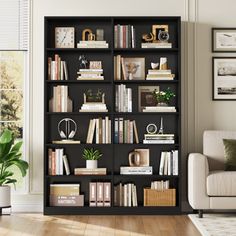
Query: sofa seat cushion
{"type": "Point", "coordinates": [221, 183]}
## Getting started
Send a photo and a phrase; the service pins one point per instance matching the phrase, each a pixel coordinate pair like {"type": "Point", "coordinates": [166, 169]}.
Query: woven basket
{"type": "Point", "coordinates": [154, 197]}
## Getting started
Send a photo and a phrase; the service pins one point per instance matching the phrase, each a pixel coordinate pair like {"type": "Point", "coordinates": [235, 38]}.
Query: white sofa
{"type": "Point", "coordinates": [209, 186]}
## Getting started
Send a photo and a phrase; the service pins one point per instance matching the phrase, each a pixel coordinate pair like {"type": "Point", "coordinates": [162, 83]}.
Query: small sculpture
{"type": "Point", "coordinates": [154, 65]}
{"type": "Point", "coordinates": [148, 37]}
{"type": "Point", "coordinates": [83, 62]}
{"type": "Point", "coordinates": [70, 128]}
{"type": "Point", "coordinates": [90, 37]}
{"type": "Point", "coordinates": [161, 130]}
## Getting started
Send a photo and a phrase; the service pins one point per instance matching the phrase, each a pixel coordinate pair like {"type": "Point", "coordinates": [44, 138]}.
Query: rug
{"type": "Point", "coordinates": [215, 224]}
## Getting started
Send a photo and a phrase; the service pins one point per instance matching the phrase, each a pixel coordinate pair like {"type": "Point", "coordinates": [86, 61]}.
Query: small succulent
{"type": "Point", "coordinates": [163, 96]}
{"type": "Point", "coordinates": [91, 154]}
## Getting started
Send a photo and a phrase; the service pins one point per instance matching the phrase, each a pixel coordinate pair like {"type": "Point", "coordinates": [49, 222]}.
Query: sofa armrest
{"type": "Point", "coordinates": [198, 171]}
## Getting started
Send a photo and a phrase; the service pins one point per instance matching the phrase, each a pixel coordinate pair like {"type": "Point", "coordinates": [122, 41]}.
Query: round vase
{"type": "Point", "coordinates": [5, 196]}
{"type": "Point", "coordinates": [91, 164]}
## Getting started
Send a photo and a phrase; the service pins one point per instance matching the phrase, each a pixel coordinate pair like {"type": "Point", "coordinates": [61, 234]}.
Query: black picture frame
{"type": "Point", "coordinates": [214, 40]}
{"type": "Point", "coordinates": [225, 75]}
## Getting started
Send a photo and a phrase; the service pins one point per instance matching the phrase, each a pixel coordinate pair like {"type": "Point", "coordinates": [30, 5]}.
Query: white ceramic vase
{"type": "Point", "coordinates": [91, 164]}
{"type": "Point", "coordinates": [5, 196]}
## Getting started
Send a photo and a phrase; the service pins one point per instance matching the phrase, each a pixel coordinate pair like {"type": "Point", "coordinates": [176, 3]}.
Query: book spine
{"type": "Point", "coordinates": [65, 70]}
{"type": "Point", "coordinates": [100, 130]}
{"type": "Point", "coordinates": [66, 165]}
{"type": "Point", "coordinates": [116, 131]}
{"type": "Point", "coordinates": [62, 70]}
{"type": "Point", "coordinates": [106, 129]}
{"type": "Point", "coordinates": [132, 36]}
{"type": "Point", "coordinates": [59, 68]}
{"type": "Point", "coordinates": [131, 131]}
{"type": "Point", "coordinates": [103, 131]}
{"type": "Point", "coordinates": [92, 194]}
{"type": "Point", "coordinates": [89, 132]}
{"type": "Point", "coordinates": [61, 161]}
{"type": "Point", "coordinates": [50, 161]}
{"type": "Point", "coordinates": [168, 163]}
{"type": "Point", "coordinates": [135, 132]}
{"type": "Point", "coordinates": [56, 66]}
{"type": "Point", "coordinates": [100, 189]}
{"type": "Point", "coordinates": [125, 195]}
{"type": "Point", "coordinates": [53, 163]}
{"type": "Point", "coordinates": [129, 99]}
{"type": "Point", "coordinates": [116, 36]}
{"type": "Point", "coordinates": [97, 131]}
{"type": "Point", "coordinates": [49, 68]}
{"type": "Point", "coordinates": [162, 160]}
{"type": "Point", "coordinates": [107, 194]}
{"type": "Point", "coordinates": [121, 128]}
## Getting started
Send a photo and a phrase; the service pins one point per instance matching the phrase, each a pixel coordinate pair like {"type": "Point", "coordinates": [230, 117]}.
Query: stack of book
{"type": "Point", "coordinates": [92, 44]}
{"type": "Point", "coordinates": [125, 195]}
{"type": "Point", "coordinates": [156, 45]}
{"type": "Point", "coordinates": [159, 109]}
{"type": "Point", "coordinates": [160, 75]}
{"type": "Point", "coordinates": [124, 36]}
{"type": "Point", "coordinates": [88, 171]}
{"type": "Point", "coordinates": [57, 69]}
{"type": "Point", "coordinates": [60, 102]}
{"type": "Point", "coordinates": [90, 74]}
{"type": "Point", "coordinates": [99, 194]}
{"type": "Point", "coordinates": [93, 107]}
{"type": "Point", "coordinates": [136, 170]}
{"type": "Point", "coordinates": [160, 185]}
{"type": "Point", "coordinates": [169, 163]}
{"type": "Point", "coordinates": [99, 131]}
{"type": "Point", "coordinates": [66, 195]}
{"type": "Point", "coordinates": [159, 139]}
{"type": "Point", "coordinates": [123, 98]}
{"type": "Point", "coordinates": [56, 160]}
{"type": "Point", "coordinates": [125, 131]}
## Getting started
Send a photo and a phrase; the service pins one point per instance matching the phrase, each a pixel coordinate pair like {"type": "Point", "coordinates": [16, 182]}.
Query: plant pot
{"type": "Point", "coordinates": [91, 164]}
{"type": "Point", "coordinates": [5, 196]}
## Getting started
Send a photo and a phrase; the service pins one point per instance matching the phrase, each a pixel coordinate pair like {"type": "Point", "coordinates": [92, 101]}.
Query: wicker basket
{"type": "Point", "coordinates": [154, 197]}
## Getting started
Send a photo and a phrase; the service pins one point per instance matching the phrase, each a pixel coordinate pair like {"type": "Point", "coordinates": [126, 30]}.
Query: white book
{"type": "Point", "coordinates": [129, 195]}
{"type": "Point", "coordinates": [92, 131]}
{"type": "Point", "coordinates": [92, 42]}
{"type": "Point", "coordinates": [135, 196]}
{"type": "Point", "coordinates": [160, 108]}
{"type": "Point", "coordinates": [175, 162]}
{"type": "Point", "coordinates": [92, 46]}
{"type": "Point", "coordinates": [106, 129]}
{"type": "Point", "coordinates": [57, 155]}
{"type": "Point", "coordinates": [91, 70]}
{"type": "Point", "coordinates": [103, 131]}
{"type": "Point", "coordinates": [132, 36]}
{"type": "Point", "coordinates": [53, 74]}
{"type": "Point", "coordinates": [131, 131]}
{"type": "Point", "coordinates": [97, 130]}
{"type": "Point", "coordinates": [158, 141]}
{"type": "Point", "coordinates": [129, 98]}
{"type": "Point", "coordinates": [89, 131]}
{"type": "Point", "coordinates": [65, 70]}
{"type": "Point", "coordinates": [168, 163]}
{"type": "Point", "coordinates": [160, 72]}
{"type": "Point", "coordinates": [66, 164]}
{"type": "Point", "coordinates": [125, 195]}
{"type": "Point", "coordinates": [162, 161]}
{"type": "Point", "coordinates": [109, 131]}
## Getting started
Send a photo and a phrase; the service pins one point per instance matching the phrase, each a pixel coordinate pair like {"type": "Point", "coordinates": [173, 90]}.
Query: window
{"type": "Point", "coordinates": [14, 38]}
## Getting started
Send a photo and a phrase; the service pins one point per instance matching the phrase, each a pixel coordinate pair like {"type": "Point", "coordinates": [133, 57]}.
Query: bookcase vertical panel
{"type": "Point", "coordinates": [114, 155]}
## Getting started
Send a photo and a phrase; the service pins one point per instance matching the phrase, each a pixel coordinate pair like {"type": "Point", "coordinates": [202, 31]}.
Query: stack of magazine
{"type": "Point", "coordinates": [136, 170]}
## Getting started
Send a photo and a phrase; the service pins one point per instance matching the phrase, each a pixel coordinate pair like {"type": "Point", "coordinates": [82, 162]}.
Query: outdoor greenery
{"type": "Point", "coordinates": [91, 154]}
{"type": "Point", "coordinates": [10, 155]}
{"type": "Point", "coordinates": [11, 95]}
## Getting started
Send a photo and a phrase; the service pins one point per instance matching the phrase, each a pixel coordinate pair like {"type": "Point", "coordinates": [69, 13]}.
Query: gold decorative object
{"type": "Point", "coordinates": [155, 31]}
{"type": "Point", "coordinates": [90, 35]}
{"type": "Point", "coordinates": [148, 37]}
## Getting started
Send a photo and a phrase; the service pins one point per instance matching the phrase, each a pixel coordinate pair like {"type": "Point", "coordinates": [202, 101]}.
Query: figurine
{"type": "Point", "coordinates": [83, 62]}
{"type": "Point", "coordinates": [154, 65]}
{"type": "Point", "coordinates": [148, 37]}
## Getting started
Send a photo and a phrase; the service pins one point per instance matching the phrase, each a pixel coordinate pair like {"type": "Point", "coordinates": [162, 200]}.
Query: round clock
{"type": "Point", "coordinates": [151, 129]}
{"type": "Point", "coordinates": [163, 36]}
{"type": "Point", "coordinates": [64, 37]}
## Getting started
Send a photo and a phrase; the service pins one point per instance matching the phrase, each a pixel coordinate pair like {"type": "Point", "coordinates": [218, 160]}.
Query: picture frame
{"type": "Point", "coordinates": [223, 39]}
{"type": "Point", "coordinates": [134, 66]}
{"type": "Point", "coordinates": [156, 29]}
{"type": "Point", "coordinates": [146, 97]}
{"type": "Point", "coordinates": [224, 78]}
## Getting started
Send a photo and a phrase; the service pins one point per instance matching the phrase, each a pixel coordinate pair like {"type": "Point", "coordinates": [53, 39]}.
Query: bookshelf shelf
{"type": "Point", "coordinates": [114, 155]}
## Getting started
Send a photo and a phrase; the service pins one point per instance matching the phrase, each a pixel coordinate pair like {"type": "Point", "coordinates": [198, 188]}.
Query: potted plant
{"type": "Point", "coordinates": [163, 97]}
{"type": "Point", "coordinates": [10, 155]}
{"type": "Point", "coordinates": [91, 156]}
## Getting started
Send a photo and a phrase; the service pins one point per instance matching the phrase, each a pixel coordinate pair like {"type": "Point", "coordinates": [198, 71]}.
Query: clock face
{"type": "Point", "coordinates": [163, 36]}
{"type": "Point", "coordinates": [64, 37]}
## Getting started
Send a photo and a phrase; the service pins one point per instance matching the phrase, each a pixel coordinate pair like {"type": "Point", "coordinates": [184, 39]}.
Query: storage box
{"type": "Point", "coordinates": [154, 197]}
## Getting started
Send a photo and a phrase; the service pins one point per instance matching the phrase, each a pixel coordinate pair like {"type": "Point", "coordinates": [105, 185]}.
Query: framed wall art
{"type": "Point", "coordinates": [223, 39]}
{"type": "Point", "coordinates": [224, 78]}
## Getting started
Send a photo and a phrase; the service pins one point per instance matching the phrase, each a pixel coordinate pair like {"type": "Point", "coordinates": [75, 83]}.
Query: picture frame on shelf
{"type": "Point", "coordinates": [156, 30]}
{"type": "Point", "coordinates": [223, 39]}
{"type": "Point", "coordinates": [134, 68]}
{"type": "Point", "coordinates": [146, 97]}
{"type": "Point", "coordinates": [224, 78]}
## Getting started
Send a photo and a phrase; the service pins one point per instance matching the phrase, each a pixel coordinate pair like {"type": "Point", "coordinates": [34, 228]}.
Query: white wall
{"type": "Point", "coordinates": [199, 111]}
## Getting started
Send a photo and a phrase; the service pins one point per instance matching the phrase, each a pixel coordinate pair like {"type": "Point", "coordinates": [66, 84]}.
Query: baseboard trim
{"type": "Point", "coordinates": [28, 208]}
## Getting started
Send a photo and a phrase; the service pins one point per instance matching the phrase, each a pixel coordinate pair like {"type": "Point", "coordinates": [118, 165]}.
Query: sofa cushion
{"type": "Point", "coordinates": [213, 147]}
{"type": "Point", "coordinates": [221, 183]}
{"type": "Point", "coordinates": [230, 154]}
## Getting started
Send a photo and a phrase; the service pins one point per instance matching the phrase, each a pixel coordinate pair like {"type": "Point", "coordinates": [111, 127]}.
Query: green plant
{"type": "Point", "coordinates": [163, 96]}
{"type": "Point", "coordinates": [10, 155]}
{"type": "Point", "coordinates": [91, 154]}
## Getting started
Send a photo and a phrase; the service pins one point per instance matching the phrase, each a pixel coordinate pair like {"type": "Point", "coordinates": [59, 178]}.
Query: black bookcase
{"type": "Point", "coordinates": [114, 155]}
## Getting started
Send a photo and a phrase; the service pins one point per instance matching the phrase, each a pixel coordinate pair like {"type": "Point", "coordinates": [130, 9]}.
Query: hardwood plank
{"type": "Point", "coordinates": [37, 224]}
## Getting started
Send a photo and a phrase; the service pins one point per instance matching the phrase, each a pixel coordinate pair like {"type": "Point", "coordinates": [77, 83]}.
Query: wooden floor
{"type": "Point", "coordinates": [37, 224]}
